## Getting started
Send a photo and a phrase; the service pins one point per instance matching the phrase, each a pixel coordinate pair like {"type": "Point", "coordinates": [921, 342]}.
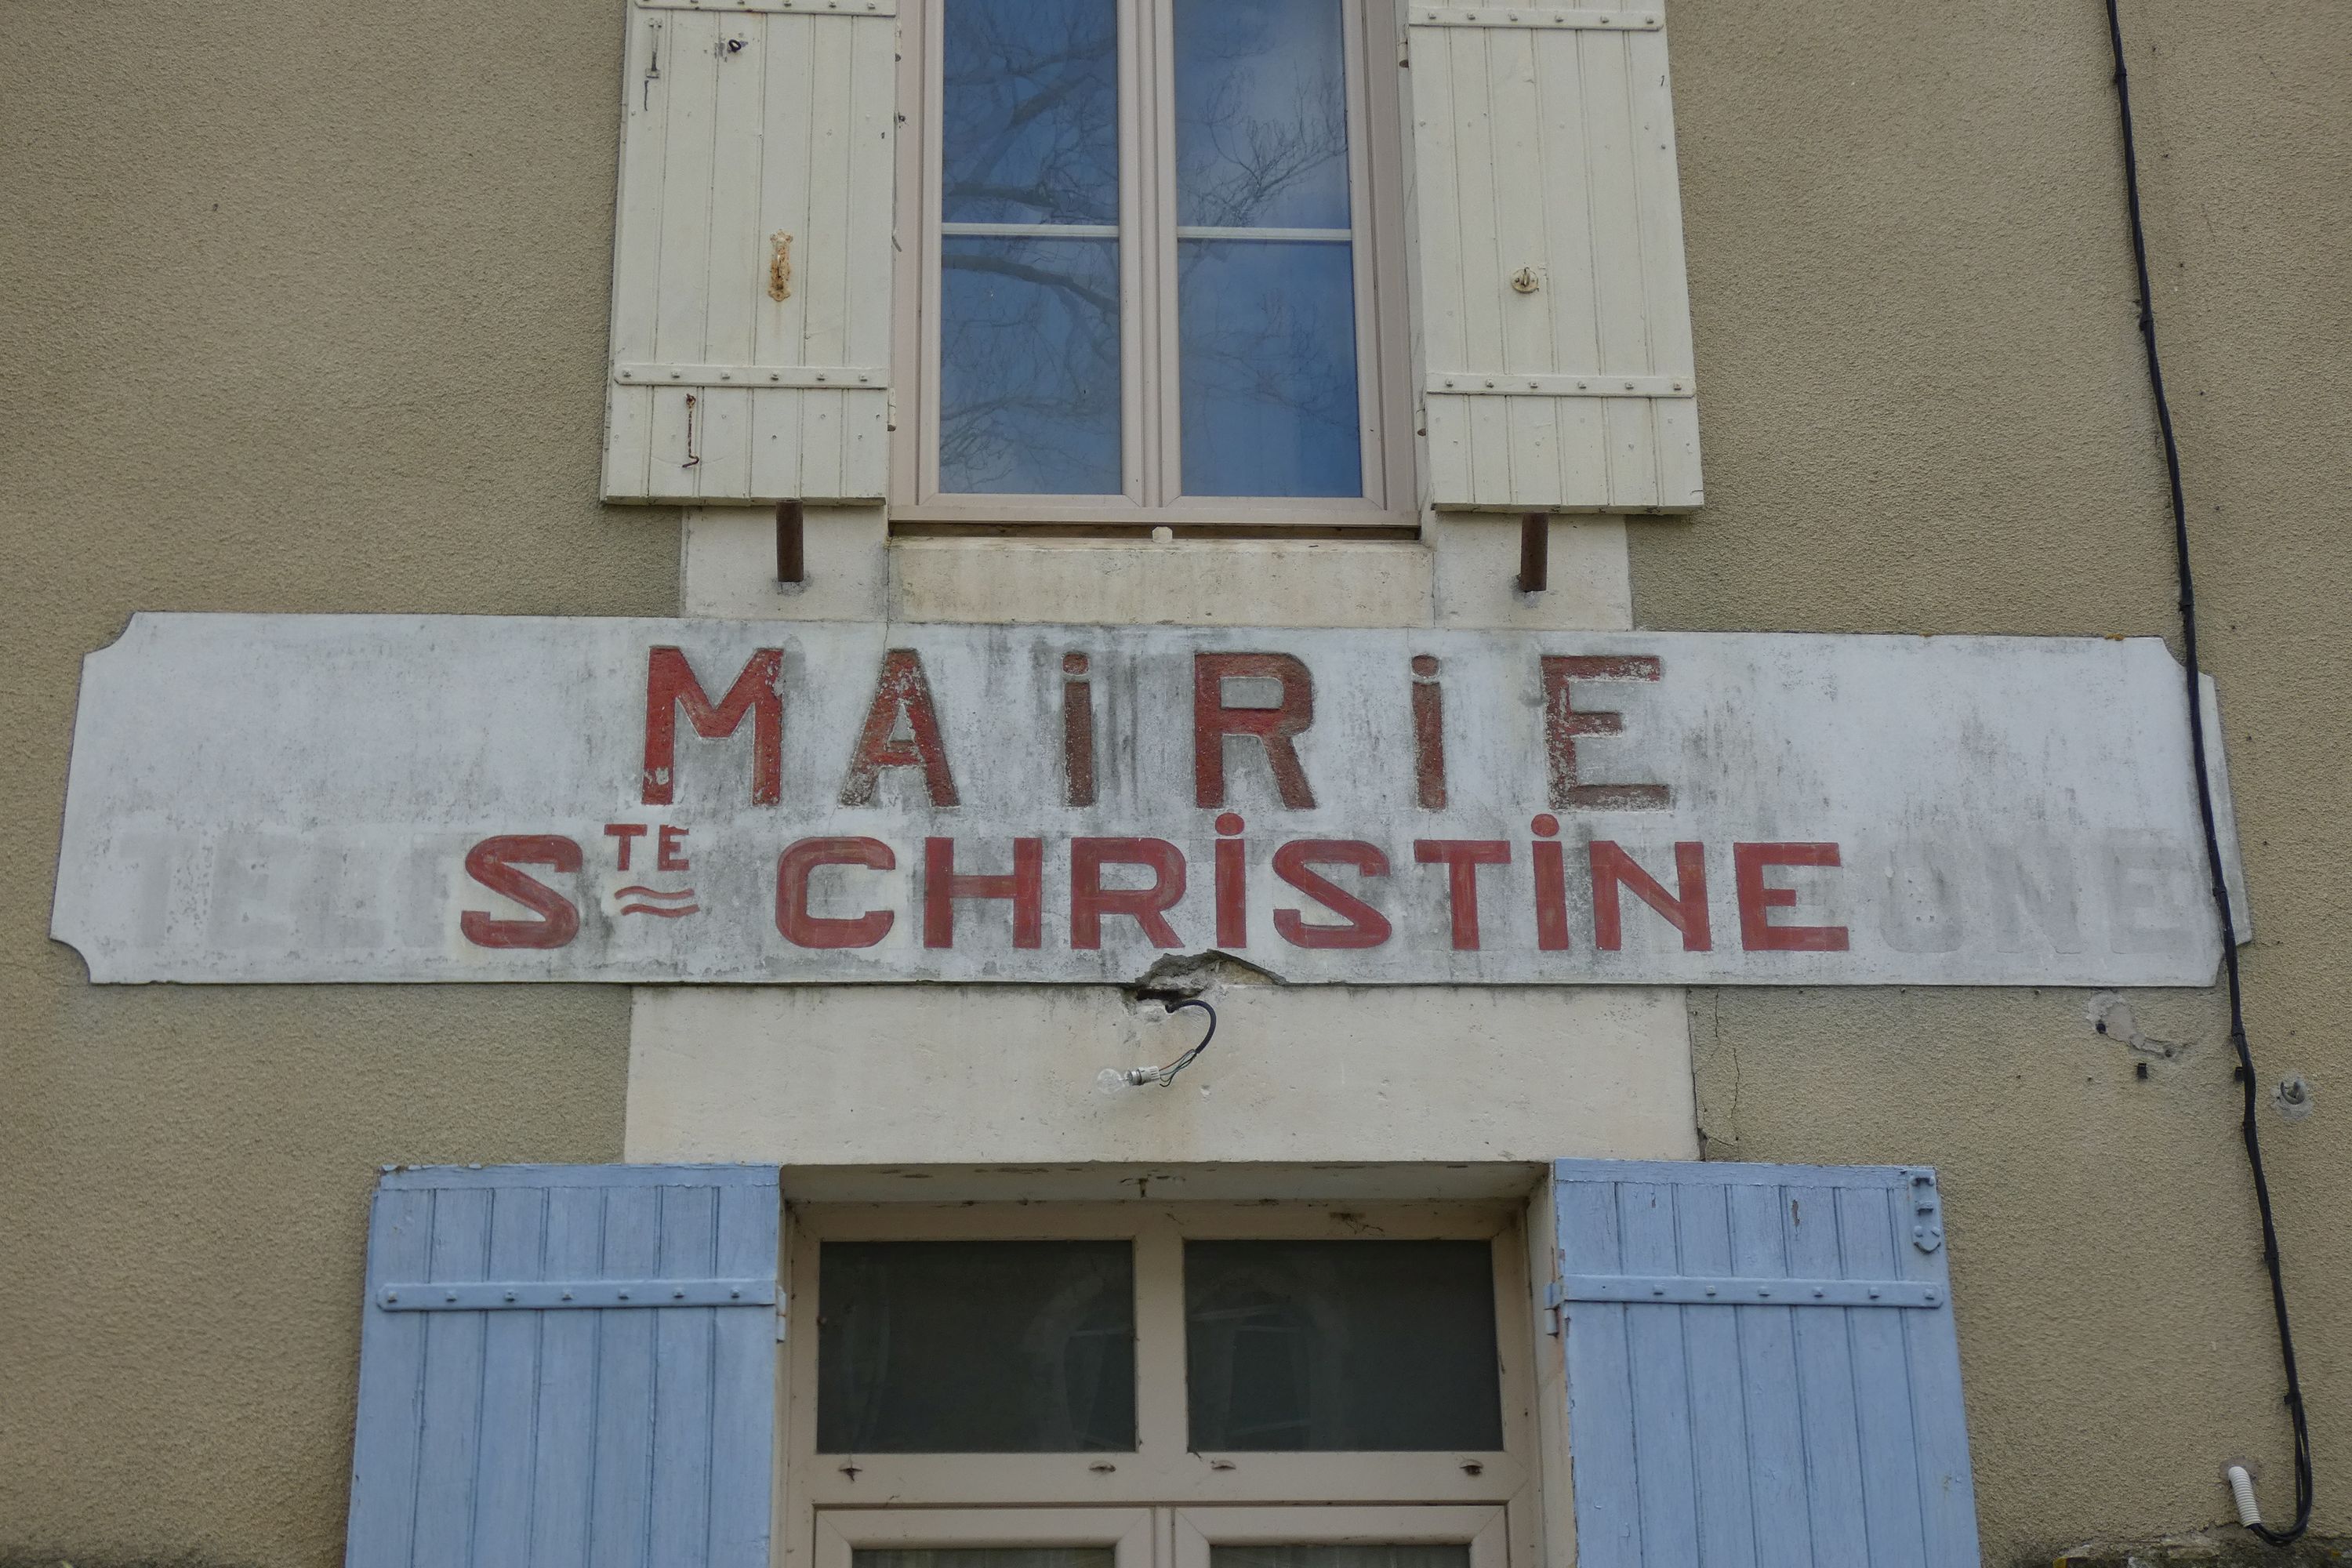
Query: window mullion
{"type": "Point", "coordinates": [1162, 1429]}
{"type": "Point", "coordinates": [1369, 370]}
{"type": "Point", "coordinates": [1137, 258]}
{"type": "Point", "coordinates": [1161, 402]}
{"type": "Point", "coordinates": [930, 128]}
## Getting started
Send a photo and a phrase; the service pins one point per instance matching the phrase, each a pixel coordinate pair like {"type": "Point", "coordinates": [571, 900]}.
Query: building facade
{"type": "Point", "coordinates": [1621, 632]}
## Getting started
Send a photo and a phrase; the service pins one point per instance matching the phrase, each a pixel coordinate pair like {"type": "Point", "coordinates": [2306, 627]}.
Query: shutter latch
{"type": "Point", "coordinates": [1926, 1212]}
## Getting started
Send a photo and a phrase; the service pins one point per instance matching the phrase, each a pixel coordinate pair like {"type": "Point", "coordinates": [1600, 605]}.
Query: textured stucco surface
{"type": "Point", "coordinates": [1926, 411]}
{"type": "Point", "coordinates": [305, 312]}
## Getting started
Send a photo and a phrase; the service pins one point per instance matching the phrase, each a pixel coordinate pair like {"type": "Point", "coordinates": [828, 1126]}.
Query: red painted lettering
{"type": "Point", "coordinates": [1024, 885]}
{"type": "Point", "coordinates": [792, 870]}
{"type": "Point", "coordinates": [671, 684]}
{"type": "Point", "coordinates": [1147, 907]}
{"type": "Point", "coordinates": [1613, 868]}
{"type": "Point", "coordinates": [1551, 884]}
{"type": "Point", "coordinates": [1428, 733]}
{"type": "Point", "coordinates": [1366, 927]}
{"type": "Point", "coordinates": [668, 854]}
{"type": "Point", "coordinates": [1563, 723]}
{"type": "Point", "coordinates": [1232, 885]}
{"type": "Point", "coordinates": [628, 832]}
{"type": "Point", "coordinates": [900, 693]}
{"type": "Point", "coordinates": [1275, 728]}
{"type": "Point", "coordinates": [1462, 857]}
{"type": "Point", "coordinates": [492, 863]}
{"type": "Point", "coordinates": [1757, 901]}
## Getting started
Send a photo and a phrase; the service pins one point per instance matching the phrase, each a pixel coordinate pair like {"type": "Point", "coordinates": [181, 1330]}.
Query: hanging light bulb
{"type": "Point", "coordinates": [1110, 1080]}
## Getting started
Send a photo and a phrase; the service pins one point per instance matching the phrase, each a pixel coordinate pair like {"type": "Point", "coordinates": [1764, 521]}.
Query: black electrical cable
{"type": "Point", "coordinates": [1165, 1075]}
{"type": "Point", "coordinates": [2196, 745]}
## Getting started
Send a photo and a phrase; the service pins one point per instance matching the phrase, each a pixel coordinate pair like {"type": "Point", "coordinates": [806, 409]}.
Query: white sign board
{"type": "Point", "coordinates": [283, 798]}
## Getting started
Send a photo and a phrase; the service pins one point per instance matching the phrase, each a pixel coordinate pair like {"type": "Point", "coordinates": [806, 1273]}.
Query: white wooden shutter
{"type": "Point", "coordinates": [567, 1365]}
{"type": "Point", "coordinates": [753, 253]}
{"type": "Point", "coordinates": [1544, 152]}
{"type": "Point", "coordinates": [1762, 1369]}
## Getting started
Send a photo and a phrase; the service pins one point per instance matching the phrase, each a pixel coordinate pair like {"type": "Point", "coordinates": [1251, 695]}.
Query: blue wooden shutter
{"type": "Point", "coordinates": [1761, 1367]}
{"type": "Point", "coordinates": [567, 1366]}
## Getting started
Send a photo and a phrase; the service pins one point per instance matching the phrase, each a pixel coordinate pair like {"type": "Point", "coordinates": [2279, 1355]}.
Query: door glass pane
{"type": "Point", "coordinates": [976, 1347]}
{"type": "Point", "coordinates": [1269, 368]}
{"type": "Point", "coordinates": [1029, 107]}
{"type": "Point", "coordinates": [1346, 1345]}
{"type": "Point", "coordinates": [1261, 114]}
{"type": "Point", "coordinates": [1029, 371]}
{"type": "Point", "coordinates": [1338, 1557]}
{"type": "Point", "coordinates": [1002, 1557]}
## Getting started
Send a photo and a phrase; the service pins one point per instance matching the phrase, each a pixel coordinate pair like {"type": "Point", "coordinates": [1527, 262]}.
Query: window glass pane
{"type": "Point", "coordinates": [1029, 366]}
{"type": "Point", "coordinates": [1030, 112]}
{"type": "Point", "coordinates": [1347, 1346]}
{"type": "Point", "coordinates": [1267, 333]}
{"type": "Point", "coordinates": [976, 1347]}
{"type": "Point", "coordinates": [1363, 1556]}
{"type": "Point", "coordinates": [1261, 114]}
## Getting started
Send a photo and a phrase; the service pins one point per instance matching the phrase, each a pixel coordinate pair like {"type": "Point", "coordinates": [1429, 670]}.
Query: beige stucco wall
{"type": "Point", "coordinates": [1926, 411]}
{"type": "Point", "coordinates": [998, 1075]}
{"type": "Point", "coordinates": [305, 312]}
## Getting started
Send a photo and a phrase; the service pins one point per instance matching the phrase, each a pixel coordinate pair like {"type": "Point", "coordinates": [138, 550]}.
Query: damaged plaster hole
{"type": "Point", "coordinates": [2292, 1098]}
{"type": "Point", "coordinates": [1174, 977]}
{"type": "Point", "coordinates": [2112, 1016]}
{"type": "Point", "coordinates": [779, 266]}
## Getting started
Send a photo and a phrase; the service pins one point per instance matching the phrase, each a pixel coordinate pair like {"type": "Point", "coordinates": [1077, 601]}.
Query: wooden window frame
{"type": "Point", "coordinates": [1484, 1529]}
{"type": "Point", "coordinates": [1129, 1532]}
{"type": "Point", "coordinates": [1152, 448]}
{"type": "Point", "coordinates": [1165, 1537]}
{"type": "Point", "coordinates": [1162, 1471]}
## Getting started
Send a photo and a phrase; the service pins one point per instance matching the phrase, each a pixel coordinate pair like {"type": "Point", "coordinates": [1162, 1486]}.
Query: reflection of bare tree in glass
{"type": "Point", "coordinates": [1029, 344]}
{"type": "Point", "coordinates": [1035, 329]}
{"type": "Point", "coordinates": [1031, 102]}
{"type": "Point", "coordinates": [1261, 141]}
{"type": "Point", "coordinates": [1030, 322]}
{"type": "Point", "coordinates": [1261, 136]}
{"type": "Point", "coordinates": [1279, 343]}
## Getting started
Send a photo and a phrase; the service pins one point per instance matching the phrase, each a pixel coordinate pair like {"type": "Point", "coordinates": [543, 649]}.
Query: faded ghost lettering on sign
{"type": "Point", "coordinates": [684, 801]}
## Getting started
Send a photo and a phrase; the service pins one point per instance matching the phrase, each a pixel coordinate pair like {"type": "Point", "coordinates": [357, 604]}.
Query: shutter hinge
{"type": "Point", "coordinates": [1498, 16]}
{"type": "Point", "coordinates": [1577, 384]}
{"type": "Point", "coordinates": [755, 377]}
{"type": "Point", "coordinates": [558, 1295]}
{"type": "Point", "coordinates": [780, 1317]}
{"type": "Point", "coordinates": [1555, 1297]}
{"type": "Point", "coordinates": [1730, 1291]}
{"type": "Point", "coordinates": [1926, 1212]}
{"type": "Point", "coordinates": [1404, 52]}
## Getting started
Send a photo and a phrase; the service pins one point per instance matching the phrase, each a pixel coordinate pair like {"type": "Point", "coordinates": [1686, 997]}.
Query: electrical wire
{"type": "Point", "coordinates": [1165, 1075]}
{"type": "Point", "coordinates": [2196, 745]}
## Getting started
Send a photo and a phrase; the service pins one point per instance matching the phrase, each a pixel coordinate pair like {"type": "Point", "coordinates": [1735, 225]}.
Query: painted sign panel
{"type": "Point", "coordinates": [404, 798]}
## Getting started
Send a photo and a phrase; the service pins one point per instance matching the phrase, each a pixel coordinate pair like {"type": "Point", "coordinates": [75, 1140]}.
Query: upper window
{"type": "Point", "coordinates": [1158, 268]}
